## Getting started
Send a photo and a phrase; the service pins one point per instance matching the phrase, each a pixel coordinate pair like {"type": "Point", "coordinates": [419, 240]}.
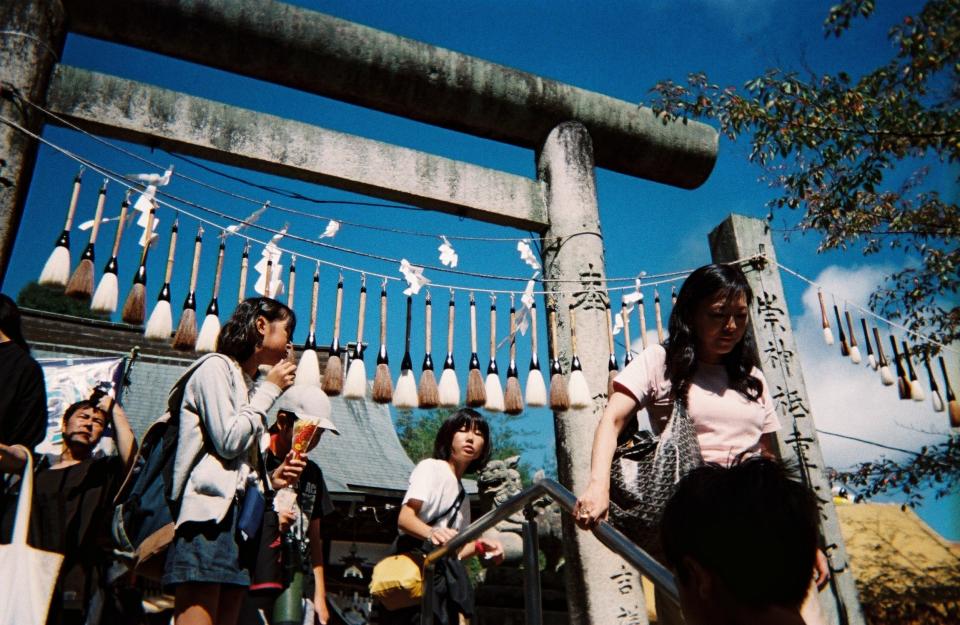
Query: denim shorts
{"type": "Point", "coordinates": [210, 553]}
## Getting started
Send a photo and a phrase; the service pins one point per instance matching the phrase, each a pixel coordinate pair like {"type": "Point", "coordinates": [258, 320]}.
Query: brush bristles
{"type": "Point", "coordinates": [476, 393]}
{"type": "Point", "coordinates": [513, 397]}
{"type": "Point", "coordinates": [382, 385]}
{"type": "Point", "coordinates": [536, 391]}
{"type": "Point", "coordinates": [886, 376]}
{"type": "Point", "coordinates": [827, 336]}
{"type": "Point", "coordinates": [355, 386]}
{"type": "Point", "coordinates": [80, 285]}
{"type": "Point", "coordinates": [105, 297]}
{"type": "Point", "coordinates": [953, 408]}
{"type": "Point", "coordinates": [186, 337]}
{"type": "Point", "coordinates": [308, 369]}
{"type": "Point", "coordinates": [449, 388]}
{"type": "Point", "coordinates": [333, 376]}
{"type": "Point", "coordinates": [56, 271]}
{"type": "Point", "coordinates": [903, 388]}
{"type": "Point", "coordinates": [494, 392]}
{"type": "Point", "coordinates": [405, 395]}
{"type": "Point", "coordinates": [135, 308]}
{"type": "Point", "coordinates": [937, 402]}
{"type": "Point", "coordinates": [428, 394]}
{"type": "Point", "coordinates": [559, 397]}
{"type": "Point", "coordinates": [160, 325]}
{"type": "Point", "coordinates": [872, 361]}
{"type": "Point", "coordinates": [916, 391]}
{"type": "Point", "coordinates": [855, 356]}
{"type": "Point", "coordinates": [207, 340]}
{"type": "Point", "coordinates": [578, 390]}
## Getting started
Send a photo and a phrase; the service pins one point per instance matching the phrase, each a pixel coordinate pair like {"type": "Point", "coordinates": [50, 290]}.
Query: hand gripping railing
{"type": "Point", "coordinates": [605, 533]}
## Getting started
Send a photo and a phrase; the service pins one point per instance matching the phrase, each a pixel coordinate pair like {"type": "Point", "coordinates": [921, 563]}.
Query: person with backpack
{"type": "Point", "coordinates": [435, 509]}
{"type": "Point", "coordinates": [217, 467]}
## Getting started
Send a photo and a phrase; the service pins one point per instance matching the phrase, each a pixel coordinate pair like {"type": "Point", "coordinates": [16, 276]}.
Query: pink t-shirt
{"type": "Point", "coordinates": [727, 422]}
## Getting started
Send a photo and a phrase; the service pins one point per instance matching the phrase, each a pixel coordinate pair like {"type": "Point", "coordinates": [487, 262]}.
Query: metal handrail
{"type": "Point", "coordinates": [605, 533]}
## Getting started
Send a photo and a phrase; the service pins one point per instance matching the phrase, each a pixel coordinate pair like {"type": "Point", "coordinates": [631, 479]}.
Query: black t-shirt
{"type": "Point", "coordinates": [314, 501]}
{"type": "Point", "coordinates": [71, 511]}
{"type": "Point", "coordinates": [312, 495]}
{"type": "Point", "coordinates": [23, 398]}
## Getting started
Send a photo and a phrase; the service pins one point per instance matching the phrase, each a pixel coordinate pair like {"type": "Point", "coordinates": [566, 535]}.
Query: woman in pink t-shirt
{"type": "Point", "coordinates": [708, 363]}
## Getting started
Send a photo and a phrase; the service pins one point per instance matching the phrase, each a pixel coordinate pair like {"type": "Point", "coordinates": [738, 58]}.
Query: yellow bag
{"type": "Point", "coordinates": [397, 581]}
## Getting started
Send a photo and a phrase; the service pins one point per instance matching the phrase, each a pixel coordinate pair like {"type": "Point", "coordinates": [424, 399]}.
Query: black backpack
{"type": "Point", "coordinates": [145, 512]}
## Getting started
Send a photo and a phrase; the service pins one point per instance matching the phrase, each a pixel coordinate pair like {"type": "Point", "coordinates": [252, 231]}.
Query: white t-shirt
{"type": "Point", "coordinates": [434, 483]}
{"type": "Point", "coordinates": [727, 423]}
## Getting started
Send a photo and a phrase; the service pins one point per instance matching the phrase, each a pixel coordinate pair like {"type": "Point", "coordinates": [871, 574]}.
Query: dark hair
{"type": "Point", "coordinates": [703, 284]}
{"type": "Point", "coordinates": [80, 405]}
{"type": "Point", "coordinates": [10, 322]}
{"type": "Point", "coordinates": [239, 337]}
{"type": "Point", "coordinates": [463, 419]}
{"type": "Point", "coordinates": [751, 525]}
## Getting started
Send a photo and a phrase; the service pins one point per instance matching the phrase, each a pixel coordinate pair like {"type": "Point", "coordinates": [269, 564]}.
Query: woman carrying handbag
{"type": "Point", "coordinates": [703, 382]}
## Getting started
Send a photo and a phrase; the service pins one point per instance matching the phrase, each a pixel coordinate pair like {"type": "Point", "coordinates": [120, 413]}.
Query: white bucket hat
{"type": "Point", "coordinates": [308, 401]}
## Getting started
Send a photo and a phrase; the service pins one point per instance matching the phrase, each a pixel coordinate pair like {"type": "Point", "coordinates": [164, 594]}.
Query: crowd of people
{"type": "Point", "coordinates": [740, 501]}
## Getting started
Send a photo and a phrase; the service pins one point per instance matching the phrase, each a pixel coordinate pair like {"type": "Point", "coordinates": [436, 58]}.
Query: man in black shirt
{"type": "Point", "coordinates": [291, 531]}
{"type": "Point", "coordinates": [73, 501]}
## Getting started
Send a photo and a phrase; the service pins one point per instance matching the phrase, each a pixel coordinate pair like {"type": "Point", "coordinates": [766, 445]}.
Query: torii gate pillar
{"type": "Point", "coordinates": [740, 237]}
{"type": "Point", "coordinates": [601, 589]}
{"type": "Point", "coordinates": [32, 38]}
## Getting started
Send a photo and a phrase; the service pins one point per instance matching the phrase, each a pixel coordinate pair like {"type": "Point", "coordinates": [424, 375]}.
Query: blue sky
{"type": "Point", "coordinates": [616, 48]}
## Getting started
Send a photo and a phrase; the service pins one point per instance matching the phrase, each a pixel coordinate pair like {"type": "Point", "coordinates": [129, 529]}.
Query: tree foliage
{"type": "Point", "coordinates": [934, 468]}
{"type": "Point", "coordinates": [52, 299]}
{"type": "Point", "coordinates": [417, 432]}
{"type": "Point", "coordinates": [851, 154]}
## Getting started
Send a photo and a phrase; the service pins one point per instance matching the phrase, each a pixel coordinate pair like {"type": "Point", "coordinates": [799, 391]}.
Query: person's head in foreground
{"type": "Point", "coordinates": [742, 542]}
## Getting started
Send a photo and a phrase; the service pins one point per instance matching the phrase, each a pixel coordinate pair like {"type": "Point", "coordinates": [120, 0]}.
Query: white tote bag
{"type": "Point", "coordinates": [29, 575]}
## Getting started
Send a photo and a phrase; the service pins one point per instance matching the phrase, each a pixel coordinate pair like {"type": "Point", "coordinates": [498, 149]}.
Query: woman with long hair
{"type": "Point", "coordinates": [709, 365]}
{"type": "Point", "coordinates": [222, 418]}
{"type": "Point", "coordinates": [435, 509]}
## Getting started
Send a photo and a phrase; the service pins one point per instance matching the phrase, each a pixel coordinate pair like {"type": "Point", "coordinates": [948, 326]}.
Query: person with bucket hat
{"type": "Point", "coordinates": [287, 582]}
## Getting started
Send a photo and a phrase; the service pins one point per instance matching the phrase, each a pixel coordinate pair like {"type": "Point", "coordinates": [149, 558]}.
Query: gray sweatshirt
{"type": "Point", "coordinates": [222, 417]}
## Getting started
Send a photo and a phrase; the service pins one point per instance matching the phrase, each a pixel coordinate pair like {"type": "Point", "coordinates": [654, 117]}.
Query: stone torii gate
{"type": "Point", "coordinates": [570, 130]}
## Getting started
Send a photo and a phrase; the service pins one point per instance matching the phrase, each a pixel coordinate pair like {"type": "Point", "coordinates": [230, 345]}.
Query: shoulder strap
{"type": "Point", "coordinates": [452, 510]}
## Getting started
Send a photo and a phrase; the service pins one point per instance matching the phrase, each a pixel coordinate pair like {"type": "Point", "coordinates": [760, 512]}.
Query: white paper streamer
{"type": "Point", "coordinates": [270, 253]}
{"type": "Point", "coordinates": [527, 255]}
{"type": "Point", "coordinates": [251, 219]}
{"type": "Point", "coordinates": [332, 228]}
{"type": "Point", "coordinates": [414, 277]}
{"type": "Point", "coordinates": [448, 256]}
{"type": "Point", "coordinates": [523, 319]}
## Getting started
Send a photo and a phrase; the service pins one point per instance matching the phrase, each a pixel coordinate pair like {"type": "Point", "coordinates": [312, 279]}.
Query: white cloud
{"type": "Point", "coordinates": [850, 399]}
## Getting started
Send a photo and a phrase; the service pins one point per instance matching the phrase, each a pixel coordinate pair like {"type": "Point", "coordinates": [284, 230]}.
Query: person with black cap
{"type": "Point", "coordinates": [290, 542]}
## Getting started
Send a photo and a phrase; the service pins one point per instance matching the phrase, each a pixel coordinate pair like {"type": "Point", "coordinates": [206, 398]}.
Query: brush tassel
{"type": "Point", "coordinates": [825, 320]}
{"type": "Point", "coordinates": [577, 387]}
{"type": "Point", "coordinates": [559, 395]}
{"type": "Point", "coordinates": [428, 393]}
{"type": "Point", "coordinates": [56, 271]}
{"type": "Point", "coordinates": [355, 386]}
{"type": "Point", "coordinates": [333, 374]}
